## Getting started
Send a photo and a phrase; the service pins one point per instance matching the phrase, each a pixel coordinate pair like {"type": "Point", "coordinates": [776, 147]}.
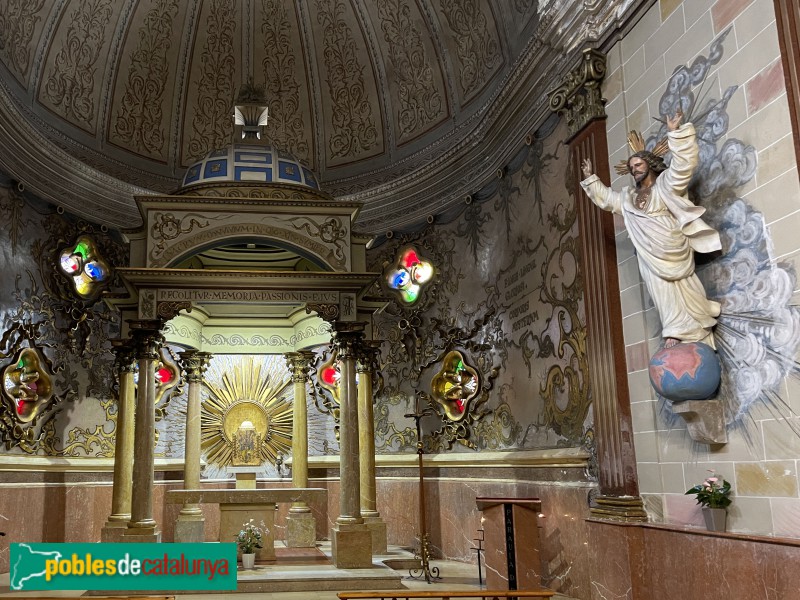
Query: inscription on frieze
{"type": "Point", "coordinates": [248, 296]}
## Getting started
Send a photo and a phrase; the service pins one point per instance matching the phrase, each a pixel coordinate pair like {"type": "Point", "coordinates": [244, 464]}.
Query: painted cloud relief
{"type": "Point", "coordinates": [758, 332]}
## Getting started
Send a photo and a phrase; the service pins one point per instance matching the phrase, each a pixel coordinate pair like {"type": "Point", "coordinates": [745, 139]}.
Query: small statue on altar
{"type": "Point", "coordinates": [247, 446]}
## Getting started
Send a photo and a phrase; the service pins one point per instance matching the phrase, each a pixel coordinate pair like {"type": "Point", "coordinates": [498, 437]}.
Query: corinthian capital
{"type": "Point", "coordinates": [299, 364]}
{"type": "Point", "coordinates": [194, 364]}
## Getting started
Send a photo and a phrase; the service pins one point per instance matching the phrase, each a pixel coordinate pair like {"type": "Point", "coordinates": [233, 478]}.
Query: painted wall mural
{"type": "Point", "coordinates": [758, 331]}
{"type": "Point", "coordinates": [507, 296]}
{"type": "Point", "coordinates": [68, 332]}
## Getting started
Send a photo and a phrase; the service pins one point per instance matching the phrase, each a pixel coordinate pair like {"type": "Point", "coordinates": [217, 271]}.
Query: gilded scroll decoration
{"type": "Point", "coordinates": [288, 130]}
{"type": "Point", "coordinates": [28, 382]}
{"type": "Point", "coordinates": [330, 231]}
{"type": "Point", "coordinates": [354, 129]}
{"type": "Point", "coordinates": [85, 267]}
{"type": "Point", "coordinates": [70, 84]}
{"type": "Point", "coordinates": [167, 227]}
{"type": "Point", "coordinates": [18, 20]}
{"type": "Point", "coordinates": [253, 392]}
{"type": "Point", "coordinates": [139, 117]}
{"type": "Point", "coordinates": [478, 50]}
{"type": "Point", "coordinates": [211, 125]}
{"type": "Point", "coordinates": [420, 101]}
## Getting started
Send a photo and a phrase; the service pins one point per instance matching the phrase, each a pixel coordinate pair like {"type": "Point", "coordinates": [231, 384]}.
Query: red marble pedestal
{"type": "Point", "coordinates": [511, 542]}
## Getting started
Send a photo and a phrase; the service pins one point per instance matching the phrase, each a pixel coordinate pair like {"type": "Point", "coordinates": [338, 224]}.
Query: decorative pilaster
{"type": "Point", "coordinates": [352, 541]}
{"type": "Point", "coordinates": [123, 445]}
{"type": "Point", "coordinates": [368, 365]}
{"type": "Point", "coordinates": [301, 527]}
{"type": "Point", "coordinates": [580, 101]}
{"type": "Point", "coordinates": [147, 341]}
{"type": "Point", "coordinates": [190, 526]}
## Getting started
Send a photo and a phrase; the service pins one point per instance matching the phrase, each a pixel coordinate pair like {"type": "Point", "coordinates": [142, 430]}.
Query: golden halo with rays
{"type": "Point", "coordinates": [255, 389]}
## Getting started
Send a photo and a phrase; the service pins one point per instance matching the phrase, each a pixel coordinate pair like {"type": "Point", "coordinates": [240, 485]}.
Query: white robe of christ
{"type": "Point", "coordinates": [666, 233]}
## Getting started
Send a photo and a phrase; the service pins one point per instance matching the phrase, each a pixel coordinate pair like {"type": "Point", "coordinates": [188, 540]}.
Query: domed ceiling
{"type": "Point", "coordinates": [395, 103]}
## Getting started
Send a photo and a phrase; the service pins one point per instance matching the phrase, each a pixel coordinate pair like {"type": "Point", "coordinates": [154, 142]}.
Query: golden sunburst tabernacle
{"type": "Point", "coordinates": [255, 389]}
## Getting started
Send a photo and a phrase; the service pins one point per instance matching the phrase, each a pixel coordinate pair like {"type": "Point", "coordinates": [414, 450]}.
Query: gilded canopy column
{"type": "Point", "coordinates": [352, 540]}
{"type": "Point", "coordinates": [580, 100]}
{"type": "Point", "coordinates": [301, 527]}
{"type": "Point", "coordinates": [190, 526]}
{"type": "Point", "coordinates": [117, 521]}
{"type": "Point", "coordinates": [147, 341]}
{"type": "Point", "coordinates": [367, 367]}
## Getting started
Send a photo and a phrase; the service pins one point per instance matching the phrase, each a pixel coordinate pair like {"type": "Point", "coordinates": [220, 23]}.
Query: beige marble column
{"type": "Point", "coordinates": [117, 521]}
{"type": "Point", "coordinates": [352, 540]}
{"type": "Point", "coordinates": [301, 527]}
{"type": "Point", "coordinates": [190, 526]}
{"type": "Point", "coordinates": [367, 366]}
{"type": "Point", "coordinates": [147, 341]}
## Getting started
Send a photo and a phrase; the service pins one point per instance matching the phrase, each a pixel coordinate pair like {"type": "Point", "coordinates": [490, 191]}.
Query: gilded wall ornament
{"type": "Point", "coordinates": [84, 266]}
{"type": "Point", "coordinates": [455, 386]}
{"type": "Point", "coordinates": [27, 384]}
{"type": "Point", "coordinates": [251, 391]}
{"type": "Point", "coordinates": [409, 275]}
{"type": "Point", "coordinates": [27, 392]}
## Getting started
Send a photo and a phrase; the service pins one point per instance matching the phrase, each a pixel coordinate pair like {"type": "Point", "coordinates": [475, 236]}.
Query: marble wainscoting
{"type": "Point", "coordinates": [663, 562]}
{"type": "Point", "coordinates": [451, 486]}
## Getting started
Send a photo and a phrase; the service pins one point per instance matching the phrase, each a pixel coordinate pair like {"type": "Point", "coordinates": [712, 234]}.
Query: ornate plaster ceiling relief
{"type": "Point", "coordinates": [141, 114]}
{"type": "Point", "coordinates": [213, 81]}
{"type": "Point", "coordinates": [415, 77]}
{"type": "Point", "coordinates": [352, 117]}
{"type": "Point", "coordinates": [282, 63]}
{"type": "Point", "coordinates": [21, 24]}
{"type": "Point", "coordinates": [404, 105]}
{"type": "Point", "coordinates": [72, 82]}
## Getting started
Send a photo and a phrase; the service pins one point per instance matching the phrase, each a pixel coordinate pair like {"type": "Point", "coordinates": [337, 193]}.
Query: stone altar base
{"type": "Point", "coordinates": [233, 516]}
{"type": "Point", "coordinates": [351, 546]}
{"type": "Point", "coordinates": [144, 535]}
{"type": "Point", "coordinates": [190, 529]}
{"type": "Point", "coordinates": [112, 532]}
{"type": "Point", "coordinates": [377, 528]}
{"type": "Point", "coordinates": [301, 530]}
{"type": "Point", "coordinates": [282, 577]}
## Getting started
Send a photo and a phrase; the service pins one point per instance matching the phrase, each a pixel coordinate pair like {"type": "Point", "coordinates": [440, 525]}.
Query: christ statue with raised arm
{"type": "Point", "coordinates": [666, 230]}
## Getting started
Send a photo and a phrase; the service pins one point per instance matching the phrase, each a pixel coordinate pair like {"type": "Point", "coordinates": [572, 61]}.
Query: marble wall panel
{"type": "Point", "coordinates": [634, 561]}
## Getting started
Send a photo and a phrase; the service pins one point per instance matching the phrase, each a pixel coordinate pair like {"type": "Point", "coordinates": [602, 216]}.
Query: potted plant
{"type": "Point", "coordinates": [248, 539]}
{"type": "Point", "coordinates": [713, 494]}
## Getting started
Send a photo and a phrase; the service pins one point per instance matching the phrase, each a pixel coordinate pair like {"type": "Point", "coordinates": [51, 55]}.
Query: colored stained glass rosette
{"type": "Point", "coordinates": [166, 375]}
{"type": "Point", "coordinates": [330, 375]}
{"type": "Point", "coordinates": [88, 271]}
{"type": "Point", "coordinates": [28, 384]}
{"type": "Point", "coordinates": [409, 275]}
{"type": "Point", "coordinates": [455, 386]}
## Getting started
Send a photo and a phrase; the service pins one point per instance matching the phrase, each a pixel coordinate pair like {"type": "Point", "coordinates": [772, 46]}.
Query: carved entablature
{"type": "Point", "coordinates": [579, 97]}
{"type": "Point", "coordinates": [176, 228]}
